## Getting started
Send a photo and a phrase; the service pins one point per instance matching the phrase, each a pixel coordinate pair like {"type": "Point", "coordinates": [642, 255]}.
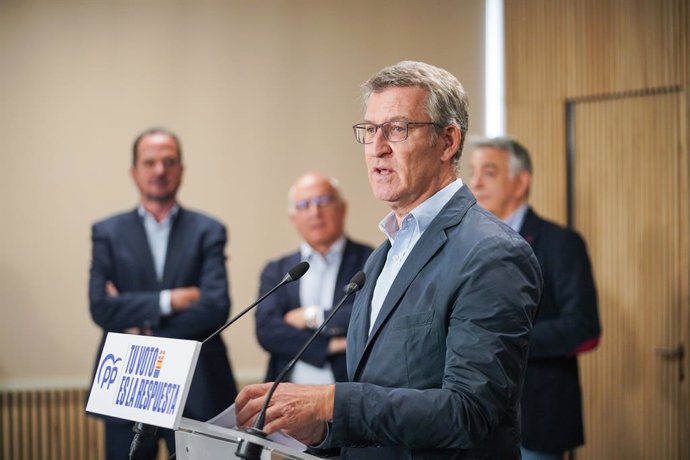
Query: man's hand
{"type": "Point", "coordinates": [301, 411]}
{"type": "Point", "coordinates": [182, 298]}
{"type": "Point", "coordinates": [337, 345]}
{"type": "Point", "coordinates": [110, 289]}
{"type": "Point", "coordinates": [296, 318]}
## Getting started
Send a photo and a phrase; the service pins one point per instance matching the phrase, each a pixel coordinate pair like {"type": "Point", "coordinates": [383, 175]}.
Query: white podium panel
{"type": "Point", "coordinates": [143, 379]}
{"type": "Point", "coordinates": [196, 440]}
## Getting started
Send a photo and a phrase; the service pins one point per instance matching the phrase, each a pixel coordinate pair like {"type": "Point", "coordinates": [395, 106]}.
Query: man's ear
{"type": "Point", "coordinates": [523, 183]}
{"type": "Point", "coordinates": [450, 138]}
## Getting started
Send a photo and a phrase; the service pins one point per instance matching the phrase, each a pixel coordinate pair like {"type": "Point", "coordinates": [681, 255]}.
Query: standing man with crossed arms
{"type": "Point", "coordinates": [159, 270]}
{"type": "Point", "coordinates": [286, 320]}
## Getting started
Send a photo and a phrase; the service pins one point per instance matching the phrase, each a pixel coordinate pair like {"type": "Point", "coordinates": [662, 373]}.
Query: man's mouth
{"type": "Point", "coordinates": [383, 171]}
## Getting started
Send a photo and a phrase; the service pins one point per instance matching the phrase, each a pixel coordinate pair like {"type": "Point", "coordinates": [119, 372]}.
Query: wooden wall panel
{"type": "Point", "coordinates": [628, 211]}
{"type": "Point", "coordinates": [532, 52]}
{"type": "Point", "coordinates": [561, 52]}
{"type": "Point", "coordinates": [48, 425]}
{"type": "Point", "coordinates": [542, 128]}
{"type": "Point", "coordinates": [563, 49]}
{"type": "Point", "coordinates": [632, 45]}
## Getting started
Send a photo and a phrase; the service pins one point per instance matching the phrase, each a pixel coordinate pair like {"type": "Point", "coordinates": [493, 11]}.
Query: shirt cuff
{"type": "Point", "coordinates": [313, 316]}
{"type": "Point", "coordinates": [325, 442]}
{"type": "Point", "coordinates": [164, 302]}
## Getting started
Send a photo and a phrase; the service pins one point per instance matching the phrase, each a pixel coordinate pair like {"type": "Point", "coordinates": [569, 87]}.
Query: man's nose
{"type": "Point", "coordinates": [314, 209]}
{"type": "Point", "coordinates": [380, 145]}
{"type": "Point", "coordinates": [159, 167]}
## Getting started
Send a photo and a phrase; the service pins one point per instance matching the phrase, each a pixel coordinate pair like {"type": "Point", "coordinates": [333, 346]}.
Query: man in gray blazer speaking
{"type": "Point", "coordinates": [438, 337]}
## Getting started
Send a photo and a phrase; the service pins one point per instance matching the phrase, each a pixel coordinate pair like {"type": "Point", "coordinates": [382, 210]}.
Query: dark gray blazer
{"type": "Point", "coordinates": [441, 373]}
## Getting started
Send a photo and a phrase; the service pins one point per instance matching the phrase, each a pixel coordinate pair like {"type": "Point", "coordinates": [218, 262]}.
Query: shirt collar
{"type": "Point", "coordinates": [337, 248]}
{"type": "Point", "coordinates": [423, 214]}
{"type": "Point", "coordinates": [143, 213]}
{"type": "Point", "coordinates": [516, 219]}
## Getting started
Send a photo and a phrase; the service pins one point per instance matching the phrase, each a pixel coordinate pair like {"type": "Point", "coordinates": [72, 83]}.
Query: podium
{"type": "Point", "coordinates": [196, 440]}
{"type": "Point", "coordinates": [146, 379]}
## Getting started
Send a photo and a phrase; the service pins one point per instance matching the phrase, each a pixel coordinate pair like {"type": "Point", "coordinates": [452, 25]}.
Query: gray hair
{"type": "Point", "coordinates": [518, 156]}
{"type": "Point", "coordinates": [447, 103]}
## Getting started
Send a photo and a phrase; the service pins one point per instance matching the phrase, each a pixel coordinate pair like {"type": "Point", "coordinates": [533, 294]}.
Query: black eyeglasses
{"type": "Point", "coordinates": [393, 131]}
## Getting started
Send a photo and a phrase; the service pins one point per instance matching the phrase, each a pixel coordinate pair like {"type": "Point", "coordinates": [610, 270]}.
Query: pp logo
{"type": "Point", "coordinates": [107, 371]}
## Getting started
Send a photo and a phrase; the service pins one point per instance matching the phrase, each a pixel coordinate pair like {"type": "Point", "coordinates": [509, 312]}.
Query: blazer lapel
{"type": "Point", "coordinates": [425, 248]}
{"type": "Point", "coordinates": [530, 227]}
{"type": "Point", "coordinates": [292, 289]}
{"type": "Point", "coordinates": [176, 241]}
{"type": "Point", "coordinates": [359, 320]}
{"type": "Point", "coordinates": [431, 241]}
{"type": "Point", "coordinates": [345, 267]}
{"type": "Point", "coordinates": [140, 245]}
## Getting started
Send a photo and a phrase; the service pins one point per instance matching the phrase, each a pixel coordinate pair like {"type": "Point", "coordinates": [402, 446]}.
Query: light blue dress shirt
{"type": "Point", "coordinates": [403, 239]}
{"type": "Point", "coordinates": [516, 219]}
{"type": "Point", "coordinates": [316, 289]}
{"type": "Point", "coordinates": [158, 234]}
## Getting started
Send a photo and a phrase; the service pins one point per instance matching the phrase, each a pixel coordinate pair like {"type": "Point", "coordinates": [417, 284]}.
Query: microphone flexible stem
{"type": "Point", "coordinates": [142, 430]}
{"type": "Point", "coordinates": [293, 274]}
{"type": "Point", "coordinates": [240, 314]}
{"type": "Point", "coordinates": [259, 423]}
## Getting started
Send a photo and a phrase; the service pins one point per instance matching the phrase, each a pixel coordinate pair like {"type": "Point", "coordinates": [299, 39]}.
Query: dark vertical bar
{"type": "Point", "coordinates": [570, 161]}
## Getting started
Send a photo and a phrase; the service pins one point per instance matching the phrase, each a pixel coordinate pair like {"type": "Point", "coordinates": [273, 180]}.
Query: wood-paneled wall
{"type": "Point", "coordinates": [48, 425]}
{"type": "Point", "coordinates": [560, 50]}
{"type": "Point", "coordinates": [622, 68]}
{"type": "Point", "coordinates": [51, 424]}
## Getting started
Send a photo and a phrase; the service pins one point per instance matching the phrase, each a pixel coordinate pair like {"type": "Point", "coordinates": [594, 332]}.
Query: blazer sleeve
{"type": "Point", "coordinates": [211, 311]}
{"type": "Point", "coordinates": [486, 319]}
{"type": "Point", "coordinates": [274, 334]}
{"type": "Point", "coordinates": [128, 309]}
{"type": "Point", "coordinates": [574, 324]}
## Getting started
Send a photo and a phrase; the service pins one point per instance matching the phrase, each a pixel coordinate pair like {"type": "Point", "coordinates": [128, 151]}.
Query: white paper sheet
{"type": "Point", "coordinates": [228, 419]}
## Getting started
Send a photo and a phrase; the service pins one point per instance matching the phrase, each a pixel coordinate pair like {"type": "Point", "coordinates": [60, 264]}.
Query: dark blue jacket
{"type": "Point", "coordinates": [282, 340]}
{"type": "Point", "coordinates": [567, 323]}
{"type": "Point", "coordinates": [195, 257]}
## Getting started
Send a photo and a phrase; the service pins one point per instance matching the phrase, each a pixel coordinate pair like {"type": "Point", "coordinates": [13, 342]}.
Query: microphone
{"type": "Point", "coordinates": [293, 274]}
{"type": "Point", "coordinates": [141, 429]}
{"type": "Point", "coordinates": [251, 451]}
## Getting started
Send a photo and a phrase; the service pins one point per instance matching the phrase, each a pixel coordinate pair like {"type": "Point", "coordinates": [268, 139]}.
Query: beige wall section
{"type": "Point", "coordinates": [258, 91]}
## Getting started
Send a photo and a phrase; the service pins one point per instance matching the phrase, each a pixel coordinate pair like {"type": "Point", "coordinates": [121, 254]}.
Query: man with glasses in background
{"type": "Point", "coordinates": [286, 320]}
{"type": "Point", "coordinates": [438, 338]}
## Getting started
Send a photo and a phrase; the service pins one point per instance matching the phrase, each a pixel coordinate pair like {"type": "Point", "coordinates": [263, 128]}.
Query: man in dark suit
{"type": "Point", "coordinates": [568, 320]}
{"type": "Point", "coordinates": [438, 337]}
{"type": "Point", "coordinates": [160, 270]}
{"type": "Point", "coordinates": [286, 320]}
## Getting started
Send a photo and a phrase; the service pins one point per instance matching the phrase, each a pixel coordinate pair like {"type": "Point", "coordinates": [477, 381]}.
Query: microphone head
{"type": "Point", "coordinates": [356, 283]}
{"type": "Point", "coordinates": [297, 271]}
